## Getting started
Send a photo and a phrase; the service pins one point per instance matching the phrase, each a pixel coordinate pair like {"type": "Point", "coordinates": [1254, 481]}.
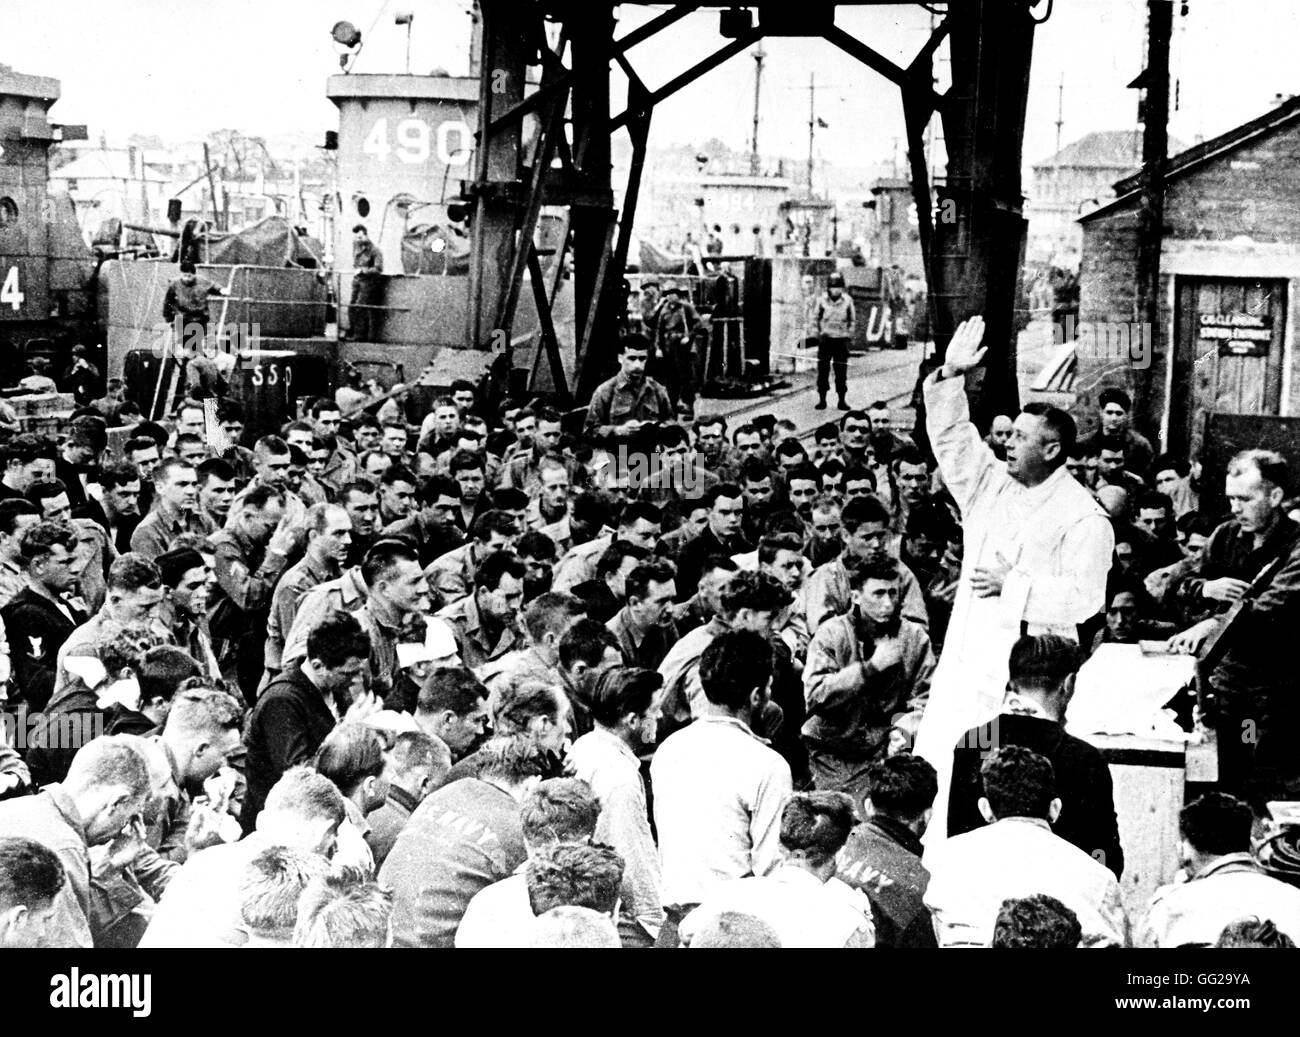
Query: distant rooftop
{"type": "Point", "coordinates": [105, 165]}
{"type": "Point", "coordinates": [1183, 161]}
{"type": "Point", "coordinates": [1102, 149]}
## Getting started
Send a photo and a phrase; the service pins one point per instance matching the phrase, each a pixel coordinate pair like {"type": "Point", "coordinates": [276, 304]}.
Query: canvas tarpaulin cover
{"type": "Point", "coordinates": [269, 242]}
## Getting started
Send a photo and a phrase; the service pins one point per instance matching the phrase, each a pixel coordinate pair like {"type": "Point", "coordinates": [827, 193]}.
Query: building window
{"type": "Point", "coordinates": [8, 212]}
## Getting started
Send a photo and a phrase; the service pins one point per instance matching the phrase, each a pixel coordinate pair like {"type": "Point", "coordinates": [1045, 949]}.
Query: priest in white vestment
{"type": "Point", "coordinates": [1037, 548]}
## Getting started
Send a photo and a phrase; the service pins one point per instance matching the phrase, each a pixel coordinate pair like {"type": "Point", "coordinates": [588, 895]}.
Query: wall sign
{"type": "Point", "coordinates": [1237, 334]}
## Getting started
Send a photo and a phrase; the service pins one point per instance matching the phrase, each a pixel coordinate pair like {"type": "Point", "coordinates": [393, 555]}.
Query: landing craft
{"type": "Point", "coordinates": [402, 150]}
{"type": "Point", "coordinates": [47, 273]}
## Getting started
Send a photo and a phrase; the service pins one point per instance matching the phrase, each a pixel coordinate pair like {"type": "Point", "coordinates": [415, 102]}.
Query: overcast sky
{"type": "Point", "coordinates": [182, 69]}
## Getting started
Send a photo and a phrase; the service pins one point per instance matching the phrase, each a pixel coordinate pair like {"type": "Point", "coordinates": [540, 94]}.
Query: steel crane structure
{"type": "Point", "coordinates": [971, 224]}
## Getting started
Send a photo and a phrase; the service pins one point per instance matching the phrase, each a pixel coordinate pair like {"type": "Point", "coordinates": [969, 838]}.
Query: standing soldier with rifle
{"type": "Point", "coordinates": [673, 328]}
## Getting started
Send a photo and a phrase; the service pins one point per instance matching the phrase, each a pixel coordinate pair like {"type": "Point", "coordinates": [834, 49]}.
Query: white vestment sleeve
{"type": "Point", "coordinates": [965, 460]}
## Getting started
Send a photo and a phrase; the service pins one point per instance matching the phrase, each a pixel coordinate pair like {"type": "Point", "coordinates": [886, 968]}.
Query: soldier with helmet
{"type": "Point", "coordinates": [674, 325]}
{"type": "Point", "coordinates": [649, 305]}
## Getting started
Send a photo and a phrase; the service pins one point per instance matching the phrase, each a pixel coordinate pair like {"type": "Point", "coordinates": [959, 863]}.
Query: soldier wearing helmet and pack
{"type": "Point", "coordinates": [674, 324]}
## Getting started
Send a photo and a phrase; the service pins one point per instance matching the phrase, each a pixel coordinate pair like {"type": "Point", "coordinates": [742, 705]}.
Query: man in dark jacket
{"type": "Point", "coordinates": [1041, 683]}
{"type": "Point", "coordinates": [118, 507]}
{"type": "Point", "coordinates": [432, 529]}
{"type": "Point", "coordinates": [298, 709]}
{"type": "Point", "coordinates": [722, 536]}
{"type": "Point", "coordinates": [1253, 680]}
{"type": "Point", "coordinates": [79, 456]}
{"type": "Point", "coordinates": [39, 618]}
{"type": "Point", "coordinates": [607, 593]}
{"type": "Point", "coordinates": [883, 855]}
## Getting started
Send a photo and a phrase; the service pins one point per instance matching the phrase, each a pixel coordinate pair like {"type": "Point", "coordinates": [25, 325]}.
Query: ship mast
{"type": "Point", "coordinates": [1060, 111]}
{"type": "Point", "coordinates": [759, 55]}
{"type": "Point", "coordinates": [812, 93]}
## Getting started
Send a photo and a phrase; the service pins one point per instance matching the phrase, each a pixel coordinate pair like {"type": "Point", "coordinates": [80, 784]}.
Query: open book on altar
{"type": "Point", "coordinates": [1123, 690]}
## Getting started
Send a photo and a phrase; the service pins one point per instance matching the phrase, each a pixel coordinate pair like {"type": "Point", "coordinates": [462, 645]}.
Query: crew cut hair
{"type": "Point", "coordinates": [306, 795]}
{"type": "Point", "coordinates": [107, 761]}
{"type": "Point", "coordinates": [551, 613]}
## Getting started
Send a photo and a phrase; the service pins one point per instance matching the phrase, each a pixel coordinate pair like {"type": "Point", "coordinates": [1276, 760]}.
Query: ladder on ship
{"type": "Point", "coordinates": [171, 372]}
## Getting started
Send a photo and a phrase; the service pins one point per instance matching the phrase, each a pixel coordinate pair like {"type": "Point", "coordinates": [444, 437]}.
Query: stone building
{"type": "Point", "coordinates": [1230, 264]}
{"type": "Point", "coordinates": [1078, 177]}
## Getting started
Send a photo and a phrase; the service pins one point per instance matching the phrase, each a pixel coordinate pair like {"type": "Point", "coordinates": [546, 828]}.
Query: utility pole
{"type": "Point", "coordinates": [475, 39]}
{"type": "Point", "coordinates": [1060, 110]}
{"type": "Point", "coordinates": [212, 185]}
{"type": "Point", "coordinates": [1151, 204]}
{"type": "Point", "coordinates": [759, 55]}
{"type": "Point", "coordinates": [929, 126]}
{"type": "Point", "coordinates": [144, 190]}
{"type": "Point", "coordinates": [812, 122]}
